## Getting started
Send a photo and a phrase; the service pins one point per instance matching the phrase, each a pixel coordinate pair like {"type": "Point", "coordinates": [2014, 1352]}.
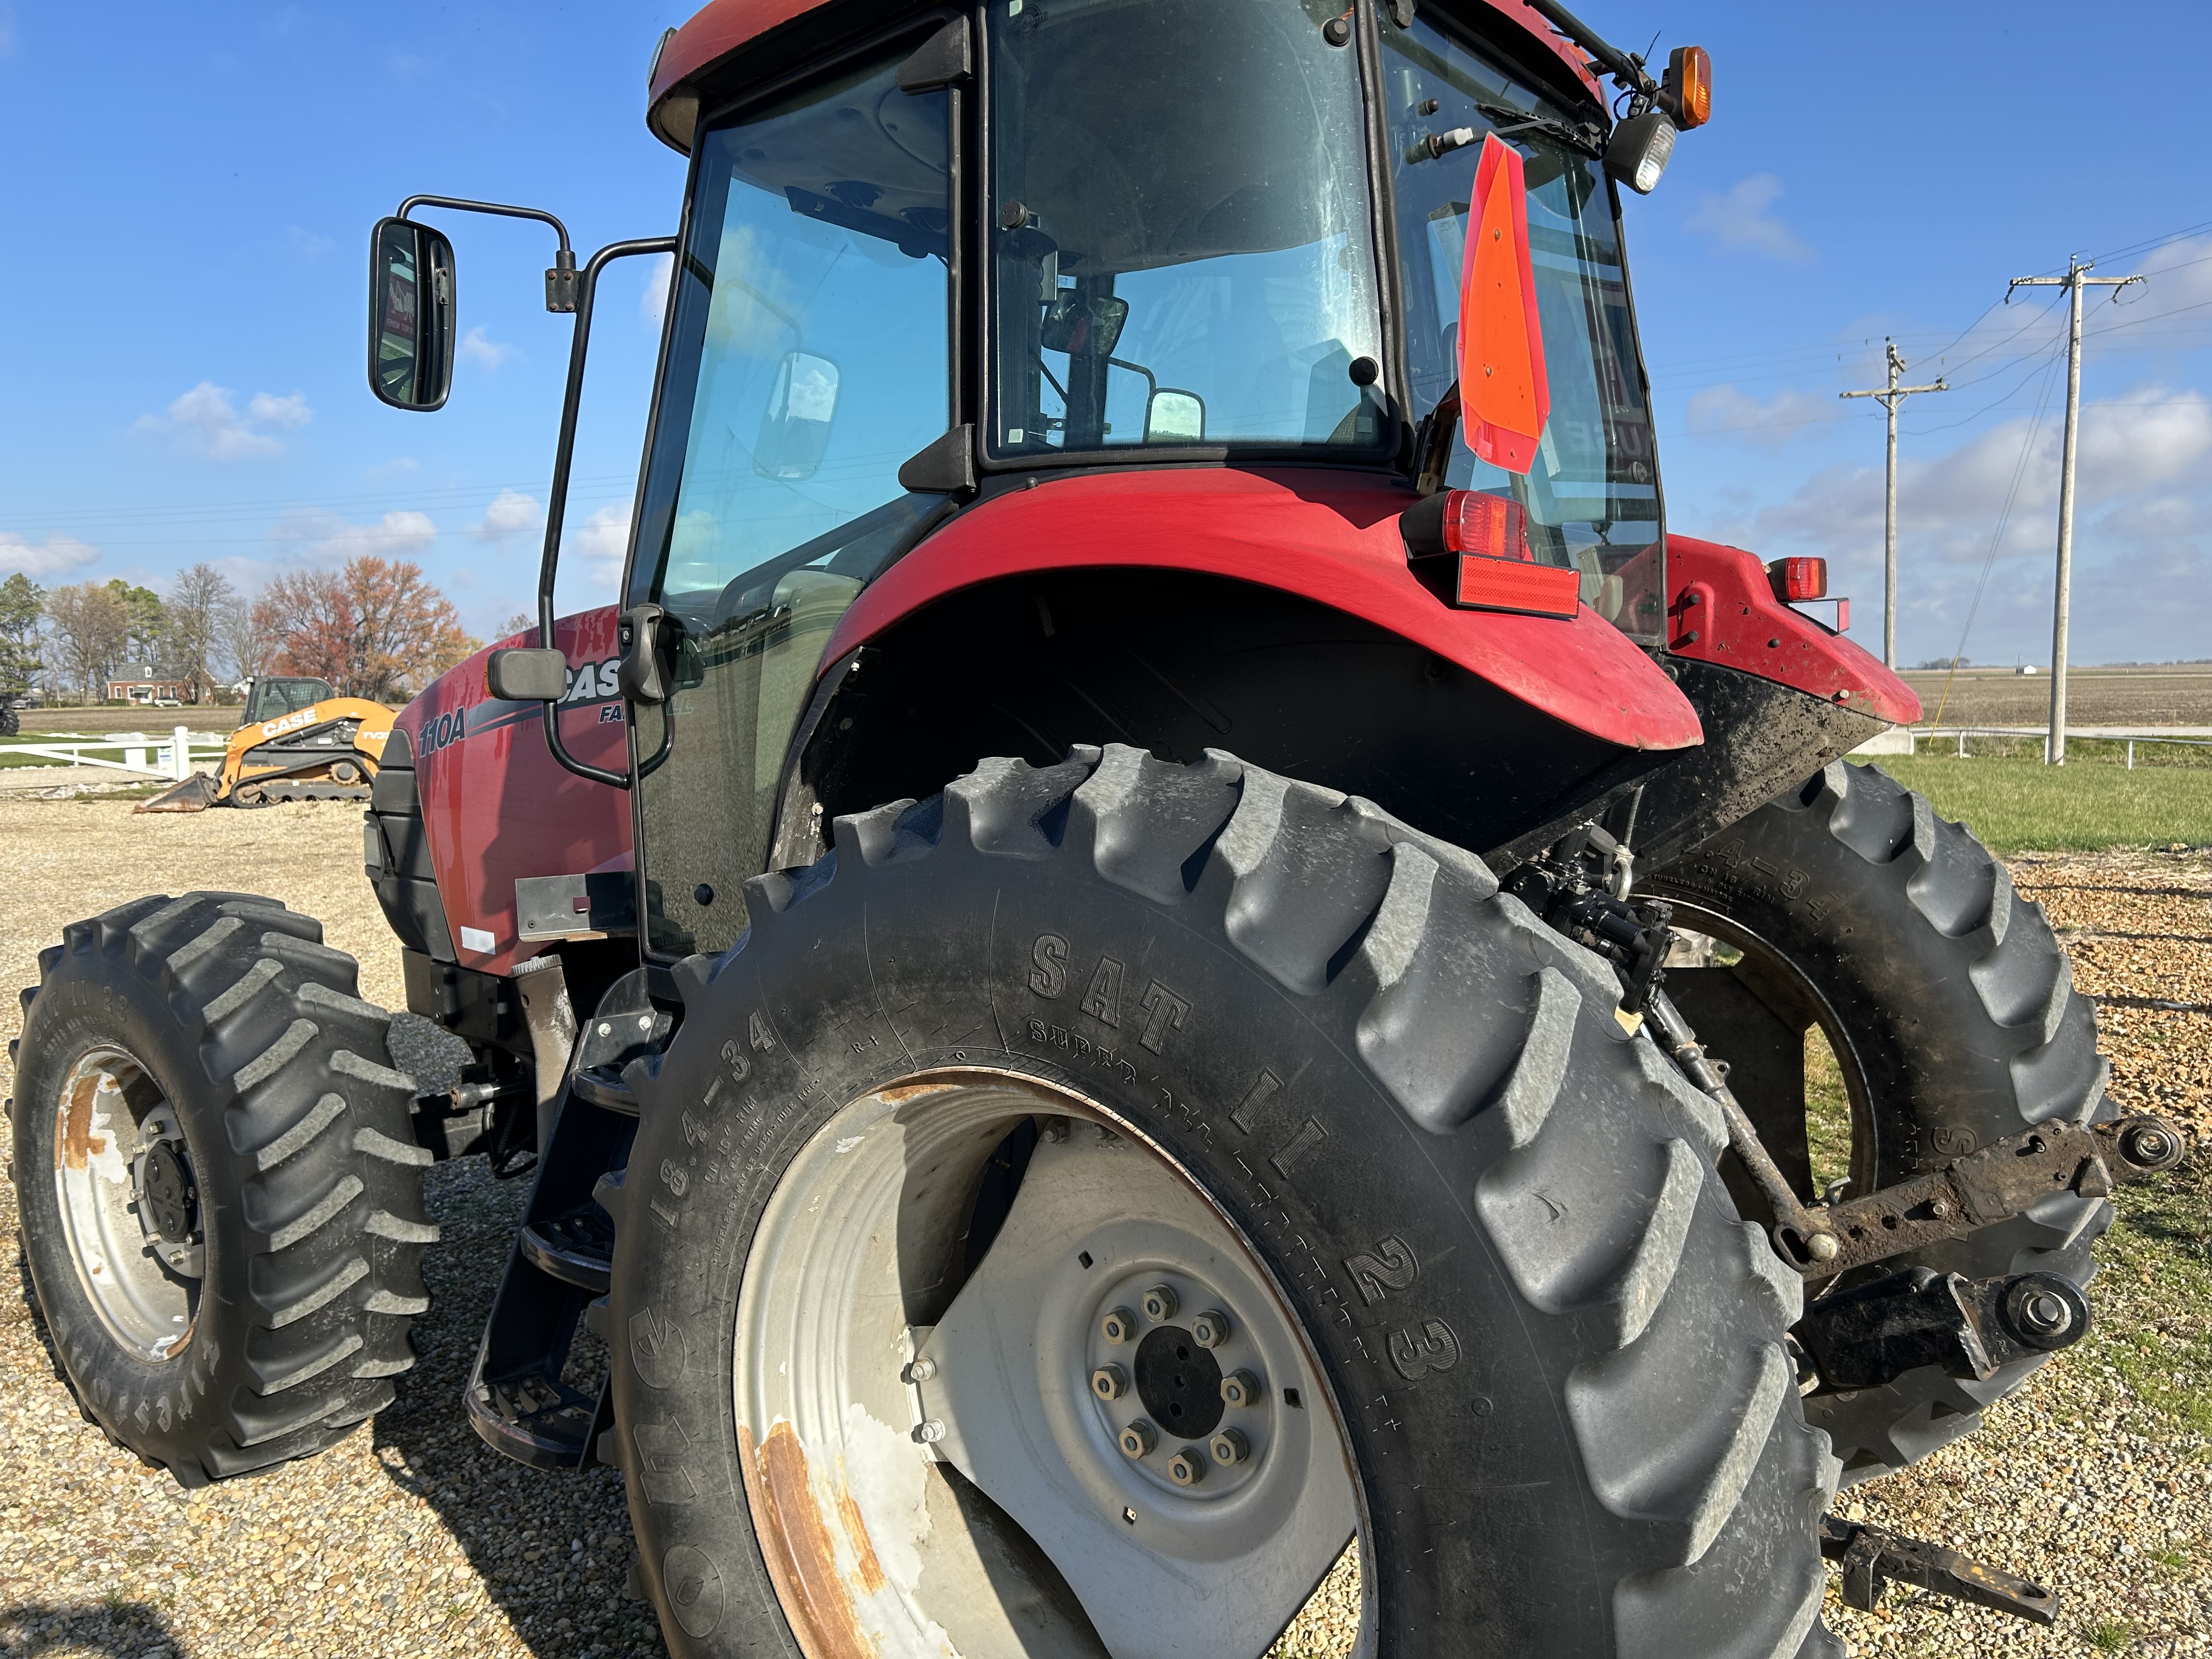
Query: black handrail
{"type": "Point", "coordinates": [555, 507]}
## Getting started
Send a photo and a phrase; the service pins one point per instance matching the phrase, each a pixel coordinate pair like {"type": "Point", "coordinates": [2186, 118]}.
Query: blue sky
{"type": "Point", "coordinates": [190, 190]}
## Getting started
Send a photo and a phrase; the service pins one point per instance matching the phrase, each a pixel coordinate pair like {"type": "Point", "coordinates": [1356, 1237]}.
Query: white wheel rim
{"type": "Point", "coordinates": [870, 1411]}
{"type": "Point", "coordinates": [107, 1112]}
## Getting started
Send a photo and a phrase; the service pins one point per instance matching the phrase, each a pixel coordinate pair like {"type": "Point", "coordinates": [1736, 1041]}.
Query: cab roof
{"type": "Point", "coordinates": [722, 27]}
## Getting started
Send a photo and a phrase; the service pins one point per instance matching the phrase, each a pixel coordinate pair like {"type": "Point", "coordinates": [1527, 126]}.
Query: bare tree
{"type": "Point", "coordinates": [197, 605]}
{"type": "Point", "coordinates": [247, 647]}
{"type": "Point", "coordinates": [91, 627]}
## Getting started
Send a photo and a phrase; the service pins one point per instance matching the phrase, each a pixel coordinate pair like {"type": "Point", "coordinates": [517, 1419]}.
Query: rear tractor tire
{"type": "Point", "coordinates": [1087, 1201]}
{"type": "Point", "coordinates": [220, 1197]}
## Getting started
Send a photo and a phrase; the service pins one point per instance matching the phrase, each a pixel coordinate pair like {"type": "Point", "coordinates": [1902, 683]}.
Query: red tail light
{"type": "Point", "coordinates": [1799, 579]}
{"type": "Point", "coordinates": [1487, 536]}
{"type": "Point", "coordinates": [1489, 525]}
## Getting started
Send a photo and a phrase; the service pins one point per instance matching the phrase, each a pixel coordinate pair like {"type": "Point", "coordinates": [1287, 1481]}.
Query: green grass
{"type": "Point", "coordinates": [2021, 805]}
{"type": "Point", "coordinates": [2152, 1294]}
{"type": "Point", "coordinates": [1827, 1113]}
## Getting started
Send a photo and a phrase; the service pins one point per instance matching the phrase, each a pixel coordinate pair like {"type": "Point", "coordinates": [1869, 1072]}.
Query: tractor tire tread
{"type": "Point", "coordinates": [1645, 1292]}
{"type": "Point", "coordinates": [298, 1114]}
{"type": "Point", "coordinates": [1976, 974]}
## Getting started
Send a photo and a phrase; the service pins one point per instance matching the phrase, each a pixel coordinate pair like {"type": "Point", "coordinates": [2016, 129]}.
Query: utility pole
{"type": "Point", "coordinates": [2076, 278]}
{"type": "Point", "coordinates": [1891, 396]}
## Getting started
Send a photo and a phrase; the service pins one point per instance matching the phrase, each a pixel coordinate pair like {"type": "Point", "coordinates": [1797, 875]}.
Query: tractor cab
{"type": "Point", "coordinates": [270, 698]}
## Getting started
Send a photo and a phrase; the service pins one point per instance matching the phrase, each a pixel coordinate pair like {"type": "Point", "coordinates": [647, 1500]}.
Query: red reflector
{"type": "Point", "coordinates": [1799, 579]}
{"type": "Point", "coordinates": [1544, 590]}
{"type": "Point", "coordinates": [1488, 525]}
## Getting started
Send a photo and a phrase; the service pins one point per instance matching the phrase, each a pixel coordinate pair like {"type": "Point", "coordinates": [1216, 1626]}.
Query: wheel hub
{"type": "Point", "coordinates": [168, 1201]}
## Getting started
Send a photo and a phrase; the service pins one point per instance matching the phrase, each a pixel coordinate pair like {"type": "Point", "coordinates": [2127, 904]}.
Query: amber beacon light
{"type": "Point", "coordinates": [1689, 86]}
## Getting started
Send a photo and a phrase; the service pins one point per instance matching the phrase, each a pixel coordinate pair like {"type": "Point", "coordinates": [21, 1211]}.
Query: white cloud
{"type": "Point", "coordinates": [1765, 424]}
{"type": "Point", "coordinates": [2178, 274]}
{"type": "Point", "coordinates": [270, 409]}
{"type": "Point", "coordinates": [305, 243]}
{"type": "Point", "coordinates": [316, 537]}
{"type": "Point", "coordinates": [50, 557]}
{"type": "Point", "coordinates": [484, 352]}
{"type": "Point", "coordinates": [1737, 218]}
{"type": "Point", "coordinates": [2144, 498]}
{"type": "Point", "coordinates": [511, 513]}
{"type": "Point", "coordinates": [653, 302]}
{"type": "Point", "coordinates": [204, 421]}
{"type": "Point", "coordinates": [604, 539]}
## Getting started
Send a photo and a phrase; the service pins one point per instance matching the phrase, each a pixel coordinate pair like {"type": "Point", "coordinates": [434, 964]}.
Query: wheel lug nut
{"type": "Point", "coordinates": [1160, 1304]}
{"type": "Point", "coordinates": [1109, 1381]}
{"type": "Point", "coordinates": [1118, 1325]}
{"type": "Point", "coordinates": [1210, 1329]}
{"type": "Point", "coordinates": [1138, 1439]}
{"type": "Point", "coordinates": [1240, 1389]}
{"type": "Point", "coordinates": [1188, 1467]}
{"type": "Point", "coordinates": [1230, 1448]}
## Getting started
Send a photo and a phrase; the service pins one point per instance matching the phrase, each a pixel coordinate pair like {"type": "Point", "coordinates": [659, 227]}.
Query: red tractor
{"type": "Point", "coordinates": [1081, 963]}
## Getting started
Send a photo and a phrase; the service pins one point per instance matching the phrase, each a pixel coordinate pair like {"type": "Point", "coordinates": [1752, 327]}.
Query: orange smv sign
{"type": "Point", "coordinates": [1504, 395]}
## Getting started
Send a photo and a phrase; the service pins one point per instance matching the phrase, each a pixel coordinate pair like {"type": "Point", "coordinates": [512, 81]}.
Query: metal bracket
{"type": "Point", "coordinates": [1872, 1333]}
{"type": "Point", "coordinates": [2001, 1181]}
{"type": "Point", "coordinates": [575, 907]}
{"type": "Point", "coordinates": [1872, 1556]}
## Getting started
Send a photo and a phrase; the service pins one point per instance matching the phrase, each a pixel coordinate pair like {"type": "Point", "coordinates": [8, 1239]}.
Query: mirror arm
{"type": "Point", "coordinates": [563, 453]}
{"type": "Point", "coordinates": [560, 280]}
{"type": "Point", "coordinates": [500, 208]}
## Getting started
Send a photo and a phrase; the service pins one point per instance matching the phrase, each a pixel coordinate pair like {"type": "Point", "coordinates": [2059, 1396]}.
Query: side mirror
{"type": "Point", "coordinates": [1084, 328]}
{"type": "Point", "coordinates": [795, 429]}
{"type": "Point", "coordinates": [410, 315]}
{"type": "Point", "coordinates": [527, 674]}
{"type": "Point", "coordinates": [1505, 396]}
{"type": "Point", "coordinates": [1174, 417]}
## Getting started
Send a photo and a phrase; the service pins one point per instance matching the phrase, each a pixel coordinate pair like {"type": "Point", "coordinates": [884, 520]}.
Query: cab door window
{"type": "Point", "coordinates": [809, 360]}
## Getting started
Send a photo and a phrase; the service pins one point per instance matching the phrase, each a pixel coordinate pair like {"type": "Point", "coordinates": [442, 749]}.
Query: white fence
{"type": "Point", "coordinates": [1906, 740]}
{"type": "Point", "coordinates": [141, 755]}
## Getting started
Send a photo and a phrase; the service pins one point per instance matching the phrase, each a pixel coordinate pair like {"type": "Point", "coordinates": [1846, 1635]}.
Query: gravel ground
{"type": "Point", "coordinates": [412, 1537]}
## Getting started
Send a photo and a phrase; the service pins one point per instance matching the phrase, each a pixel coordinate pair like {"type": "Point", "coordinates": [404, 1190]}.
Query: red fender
{"type": "Point", "coordinates": [497, 806]}
{"type": "Point", "coordinates": [1332, 536]}
{"type": "Point", "coordinates": [1723, 609]}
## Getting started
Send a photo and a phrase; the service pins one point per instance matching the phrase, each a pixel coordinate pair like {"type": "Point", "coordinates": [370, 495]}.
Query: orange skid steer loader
{"type": "Point", "coordinates": [297, 739]}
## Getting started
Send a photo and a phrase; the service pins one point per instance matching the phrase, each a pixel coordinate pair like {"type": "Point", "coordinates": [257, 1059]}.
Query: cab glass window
{"type": "Point", "coordinates": [809, 359]}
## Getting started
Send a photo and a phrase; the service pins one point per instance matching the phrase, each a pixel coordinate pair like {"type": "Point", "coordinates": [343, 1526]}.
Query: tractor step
{"type": "Point", "coordinates": [577, 1248]}
{"type": "Point", "coordinates": [1873, 1556]}
{"type": "Point", "coordinates": [602, 1087]}
{"type": "Point", "coordinates": [537, 1420]}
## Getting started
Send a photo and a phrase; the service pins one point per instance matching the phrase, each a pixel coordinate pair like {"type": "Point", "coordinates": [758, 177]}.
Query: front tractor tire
{"type": "Point", "coordinates": [1086, 1201]}
{"type": "Point", "coordinates": [1949, 1005]}
{"type": "Point", "coordinates": [220, 1198]}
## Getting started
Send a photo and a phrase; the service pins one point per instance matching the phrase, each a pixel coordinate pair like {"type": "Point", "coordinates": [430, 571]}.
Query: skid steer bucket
{"type": "Point", "coordinates": [195, 795]}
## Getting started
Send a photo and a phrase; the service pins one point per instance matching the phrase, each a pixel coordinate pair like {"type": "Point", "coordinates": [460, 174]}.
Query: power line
{"type": "Point", "coordinates": [1997, 537]}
